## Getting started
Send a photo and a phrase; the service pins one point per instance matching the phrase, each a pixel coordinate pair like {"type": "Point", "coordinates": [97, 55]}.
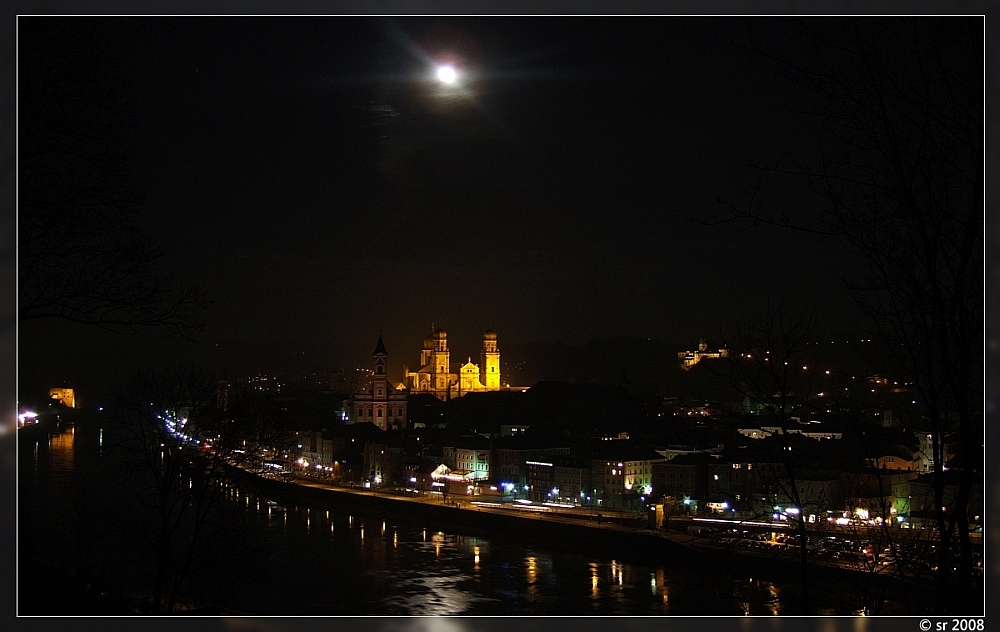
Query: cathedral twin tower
{"type": "Point", "coordinates": [435, 374]}
{"type": "Point", "coordinates": [384, 405]}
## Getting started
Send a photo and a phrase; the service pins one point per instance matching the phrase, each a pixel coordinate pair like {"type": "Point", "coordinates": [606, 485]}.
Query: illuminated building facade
{"type": "Point", "coordinates": [380, 403]}
{"type": "Point", "coordinates": [469, 457]}
{"type": "Point", "coordinates": [64, 396]}
{"type": "Point", "coordinates": [690, 358]}
{"type": "Point", "coordinates": [437, 377]}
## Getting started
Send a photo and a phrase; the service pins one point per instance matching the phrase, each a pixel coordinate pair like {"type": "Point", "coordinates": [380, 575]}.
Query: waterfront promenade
{"type": "Point", "coordinates": [616, 533]}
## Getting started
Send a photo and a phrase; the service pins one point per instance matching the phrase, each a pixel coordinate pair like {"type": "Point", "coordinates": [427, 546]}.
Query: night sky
{"type": "Point", "coordinates": [318, 182]}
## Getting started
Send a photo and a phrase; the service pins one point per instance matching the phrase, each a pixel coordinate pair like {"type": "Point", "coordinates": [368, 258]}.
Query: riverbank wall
{"type": "Point", "coordinates": [580, 536]}
{"type": "Point", "coordinates": [586, 537]}
{"type": "Point", "coordinates": [466, 519]}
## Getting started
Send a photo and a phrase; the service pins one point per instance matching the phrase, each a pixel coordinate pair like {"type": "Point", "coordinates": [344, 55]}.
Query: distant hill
{"type": "Point", "coordinates": [601, 361]}
{"type": "Point", "coordinates": [642, 362]}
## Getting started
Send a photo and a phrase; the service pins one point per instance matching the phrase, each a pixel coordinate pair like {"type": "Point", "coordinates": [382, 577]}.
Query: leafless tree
{"type": "Point", "coordinates": [767, 355]}
{"type": "Point", "coordinates": [179, 453]}
{"type": "Point", "coordinates": [884, 550]}
{"type": "Point", "coordinates": [899, 105]}
{"type": "Point", "coordinates": [82, 256]}
{"type": "Point", "coordinates": [888, 547]}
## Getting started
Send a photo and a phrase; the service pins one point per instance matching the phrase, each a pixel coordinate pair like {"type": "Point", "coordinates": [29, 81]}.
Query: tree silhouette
{"type": "Point", "coordinates": [771, 349]}
{"type": "Point", "coordinates": [180, 450]}
{"type": "Point", "coordinates": [899, 105]}
{"type": "Point", "coordinates": [82, 256]}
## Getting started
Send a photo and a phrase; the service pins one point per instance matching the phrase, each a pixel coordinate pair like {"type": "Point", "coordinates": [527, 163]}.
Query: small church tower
{"type": "Point", "coordinates": [380, 379]}
{"type": "Point", "coordinates": [380, 404]}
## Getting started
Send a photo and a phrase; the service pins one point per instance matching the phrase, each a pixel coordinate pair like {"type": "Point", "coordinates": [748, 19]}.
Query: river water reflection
{"type": "Point", "coordinates": [316, 562]}
{"type": "Point", "coordinates": [344, 563]}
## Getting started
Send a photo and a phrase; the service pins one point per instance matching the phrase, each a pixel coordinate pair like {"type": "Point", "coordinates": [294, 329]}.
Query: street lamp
{"type": "Point", "coordinates": [509, 487]}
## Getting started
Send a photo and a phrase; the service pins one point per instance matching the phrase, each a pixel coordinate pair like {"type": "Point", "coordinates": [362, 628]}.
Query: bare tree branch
{"type": "Point", "coordinates": [899, 105]}
{"type": "Point", "coordinates": [82, 256]}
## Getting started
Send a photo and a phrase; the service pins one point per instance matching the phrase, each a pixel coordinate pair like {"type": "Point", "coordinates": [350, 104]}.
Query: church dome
{"type": "Point", "coordinates": [490, 335]}
{"type": "Point", "coordinates": [439, 334]}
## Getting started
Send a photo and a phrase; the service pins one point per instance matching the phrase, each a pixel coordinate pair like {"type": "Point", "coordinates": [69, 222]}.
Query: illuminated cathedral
{"type": "Point", "coordinates": [437, 377]}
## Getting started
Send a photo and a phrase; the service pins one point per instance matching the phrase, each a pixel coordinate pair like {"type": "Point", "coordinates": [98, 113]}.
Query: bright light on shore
{"type": "Point", "coordinates": [26, 418]}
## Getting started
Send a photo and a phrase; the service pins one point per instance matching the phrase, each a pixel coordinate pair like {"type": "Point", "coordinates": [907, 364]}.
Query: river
{"type": "Point", "coordinates": [307, 561]}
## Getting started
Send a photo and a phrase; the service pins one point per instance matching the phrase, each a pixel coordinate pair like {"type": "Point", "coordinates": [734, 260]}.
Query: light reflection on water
{"type": "Point", "coordinates": [329, 562]}
{"type": "Point", "coordinates": [406, 570]}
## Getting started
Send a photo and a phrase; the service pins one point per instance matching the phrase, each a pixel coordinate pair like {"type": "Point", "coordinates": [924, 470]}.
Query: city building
{"type": "Point", "coordinates": [682, 477]}
{"type": "Point", "coordinates": [623, 476]}
{"type": "Point", "coordinates": [926, 444]}
{"type": "Point", "coordinates": [819, 491]}
{"type": "Point", "coordinates": [419, 473]}
{"type": "Point", "coordinates": [742, 482]}
{"type": "Point", "coordinates": [64, 396]}
{"type": "Point", "coordinates": [813, 429]}
{"type": "Point", "coordinates": [511, 454]}
{"type": "Point", "coordinates": [898, 457]}
{"type": "Point", "coordinates": [607, 480]}
{"type": "Point", "coordinates": [383, 462]}
{"type": "Point", "coordinates": [438, 377]}
{"type": "Point", "coordinates": [318, 449]}
{"type": "Point", "coordinates": [913, 498]}
{"type": "Point", "coordinates": [541, 480]}
{"type": "Point", "coordinates": [339, 450]}
{"type": "Point", "coordinates": [469, 457]}
{"type": "Point", "coordinates": [571, 476]}
{"type": "Point", "coordinates": [690, 358]}
{"type": "Point", "coordinates": [380, 403]}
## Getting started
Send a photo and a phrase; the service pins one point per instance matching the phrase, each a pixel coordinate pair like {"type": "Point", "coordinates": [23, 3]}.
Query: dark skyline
{"type": "Point", "coordinates": [318, 184]}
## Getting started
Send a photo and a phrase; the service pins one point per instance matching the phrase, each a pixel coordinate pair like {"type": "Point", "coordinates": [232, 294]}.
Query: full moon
{"type": "Point", "coordinates": [446, 74]}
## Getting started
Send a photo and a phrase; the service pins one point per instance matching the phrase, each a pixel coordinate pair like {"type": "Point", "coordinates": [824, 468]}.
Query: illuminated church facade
{"type": "Point", "coordinates": [437, 376]}
{"type": "Point", "coordinates": [380, 403]}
